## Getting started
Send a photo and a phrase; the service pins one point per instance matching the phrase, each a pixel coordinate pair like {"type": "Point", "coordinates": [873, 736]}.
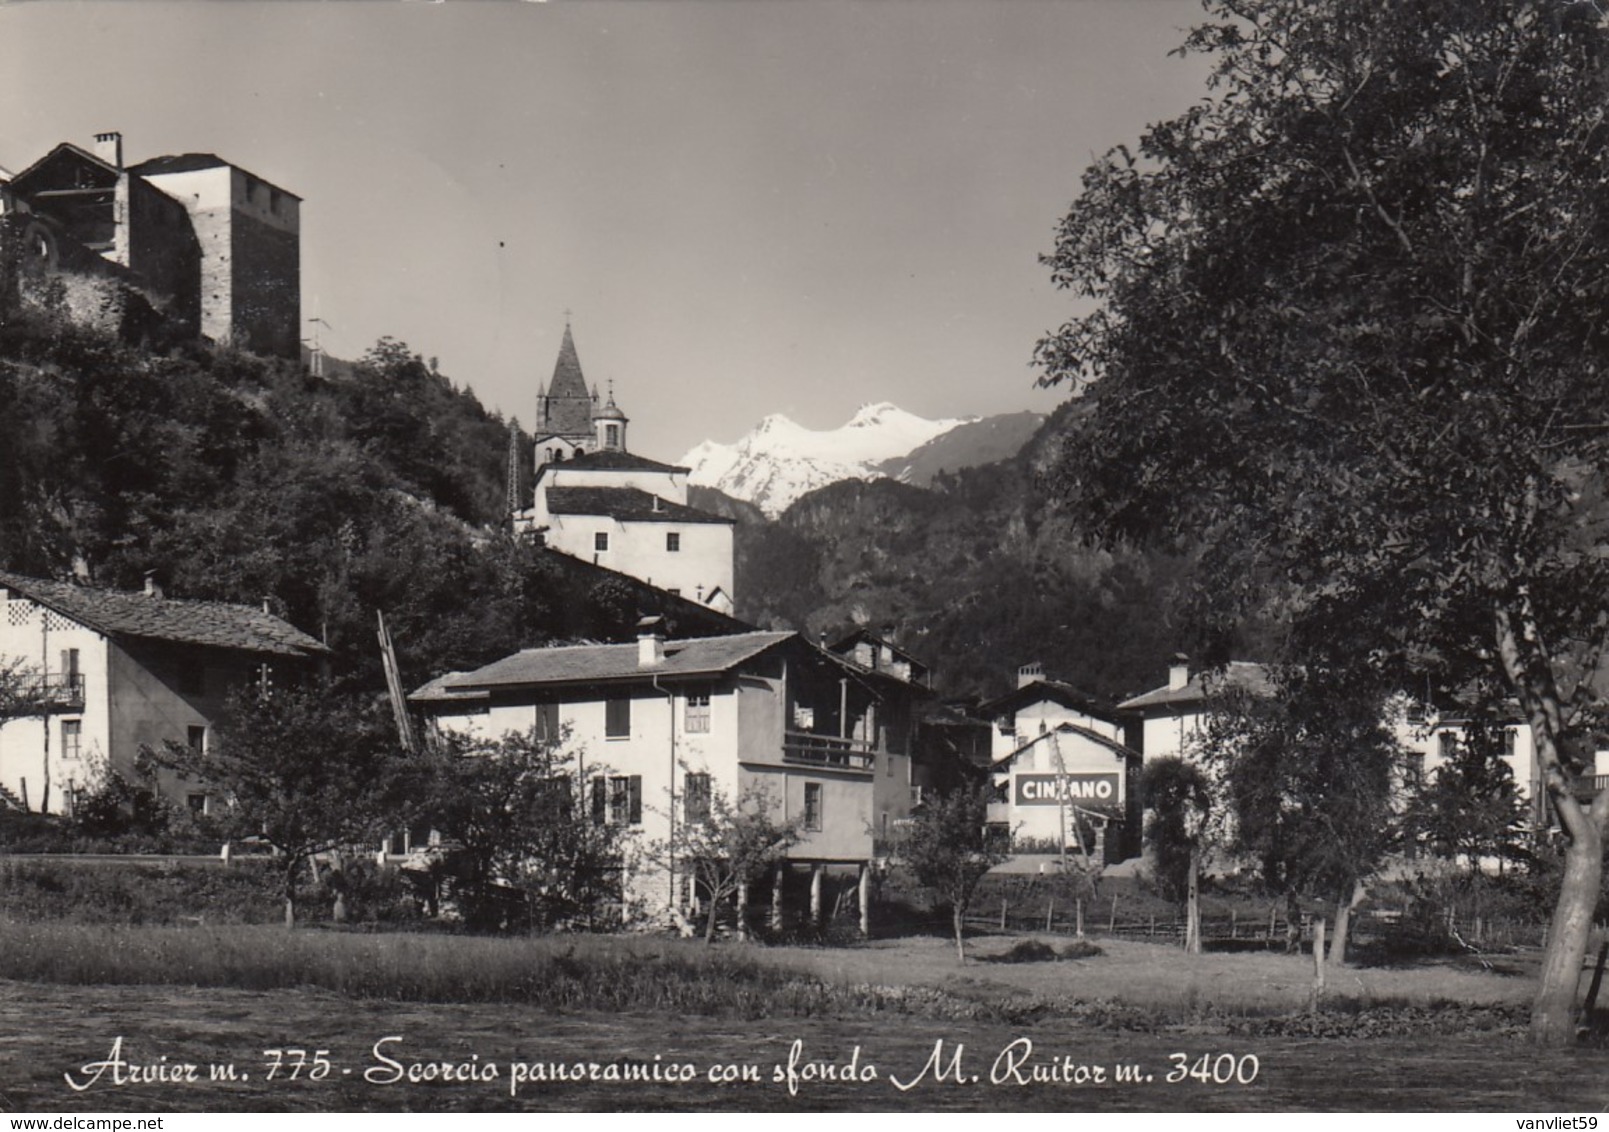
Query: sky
{"type": "Point", "coordinates": [746, 208]}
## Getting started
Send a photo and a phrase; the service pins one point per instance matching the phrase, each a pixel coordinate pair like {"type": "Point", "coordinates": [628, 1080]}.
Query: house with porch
{"type": "Point", "coordinates": [657, 727]}
{"type": "Point", "coordinates": [113, 671]}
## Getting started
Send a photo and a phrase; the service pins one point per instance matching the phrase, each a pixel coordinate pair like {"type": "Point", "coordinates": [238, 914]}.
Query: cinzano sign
{"type": "Point", "coordinates": [1054, 789]}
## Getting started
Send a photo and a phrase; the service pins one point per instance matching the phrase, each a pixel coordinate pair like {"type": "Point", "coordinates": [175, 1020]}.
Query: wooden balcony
{"type": "Point", "coordinates": [805, 748]}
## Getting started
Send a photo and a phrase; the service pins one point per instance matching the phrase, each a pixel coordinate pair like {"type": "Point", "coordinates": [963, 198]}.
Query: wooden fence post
{"type": "Point", "coordinates": [1080, 917]}
{"type": "Point", "coordinates": [1050, 913]}
{"type": "Point", "coordinates": [1111, 924]}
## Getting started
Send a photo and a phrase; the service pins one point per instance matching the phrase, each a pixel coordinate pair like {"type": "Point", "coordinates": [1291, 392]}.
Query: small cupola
{"type": "Point", "coordinates": [609, 424]}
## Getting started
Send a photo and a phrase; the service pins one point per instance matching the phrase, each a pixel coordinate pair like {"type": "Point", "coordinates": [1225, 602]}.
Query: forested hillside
{"type": "Point", "coordinates": [238, 478]}
{"type": "Point", "coordinates": [977, 574]}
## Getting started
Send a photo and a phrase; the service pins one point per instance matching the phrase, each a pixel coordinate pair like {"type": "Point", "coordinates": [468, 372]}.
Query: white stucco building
{"type": "Point", "coordinates": [595, 499]}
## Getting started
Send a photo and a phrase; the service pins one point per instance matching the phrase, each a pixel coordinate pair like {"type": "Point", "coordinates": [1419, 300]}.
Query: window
{"type": "Point", "coordinates": [1508, 742]}
{"type": "Point", "coordinates": [71, 677]}
{"type": "Point", "coordinates": [617, 719]}
{"type": "Point", "coordinates": [72, 738]}
{"type": "Point", "coordinates": [1448, 744]}
{"type": "Point", "coordinates": [696, 799]}
{"type": "Point", "coordinates": [617, 800]}
{"type": "Point", "coordinates": [698, 711]}
{"type": "Point", "coordinates": [600, 541]}
{"type": "Point", "coordinates": [196, 739]}
{"type": "Point", "coordinates": [812, 810]}
{"type": "Point", "coordinates": [196, 802]}
{"type": "Point", "coordinates": [611, 435]}
{"type": "Point", "coordinates": [546, 725]}
{"type": "Point", "coordinates": [673, 541]}
{"type": "Point", "coordinates": [1415, 771]}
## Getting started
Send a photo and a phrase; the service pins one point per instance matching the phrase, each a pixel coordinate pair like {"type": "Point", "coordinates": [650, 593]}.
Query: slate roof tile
{"type": "Point", "coordinates": [211, 623]}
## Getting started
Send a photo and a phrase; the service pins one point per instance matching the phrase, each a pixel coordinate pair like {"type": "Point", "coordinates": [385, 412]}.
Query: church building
{"type": "Point", "coordinates": [597, 500]}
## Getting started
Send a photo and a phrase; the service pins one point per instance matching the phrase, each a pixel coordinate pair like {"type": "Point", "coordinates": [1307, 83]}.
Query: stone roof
{"type": "Point", "coordinates": [179, 163]}
{"type": "Point", "coordinates": [1093, 736]}
{"type": "Point", "coordinates": [1245, 675]}
{"type": "Point", "coordinates": [208, 623]}
{"type": "Point", "coordinates": [191, 162]}
{"type": "Point", "coordinates": [607, 461]}
{"type": "Point", "coordinates": [566, 408]}
{"type": "Point", "coordinates": [1054, 690]}
{"type": "Point", "coordinates": [627, 504]}
{"type": "Point", "coordinates": [582, 664]}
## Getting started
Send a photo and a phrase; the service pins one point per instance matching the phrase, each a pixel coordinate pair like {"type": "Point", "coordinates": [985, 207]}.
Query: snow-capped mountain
{"type": "Point", "coordinates": [779, 460]}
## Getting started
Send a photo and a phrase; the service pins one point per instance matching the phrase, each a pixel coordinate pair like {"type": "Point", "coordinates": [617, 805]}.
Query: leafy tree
{"type": "Point", "coordinates": [513, 815]}
{"type": "Point", "coordinates": [1345, 325]}
{"type": "Point", "coordinates": [1179, 798]}
{"type": "Point", "coordinates": [1471, 806]}
{"type": "Point", "coordinates": [1309, 773]}
{"type": "Point", "coordinates": [949, 848]}
{"type": "Point", "coordinates": [302, 770]}
{"type": "Point", "coordinates": [21, 695]}
{"type": "Point", "coordinates": [733, 846]}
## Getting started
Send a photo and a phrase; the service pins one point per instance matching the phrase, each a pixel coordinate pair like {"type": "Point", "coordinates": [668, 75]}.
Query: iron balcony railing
{"type": "Point", "coordinates": [810, 749]}
{"type": "Point", "coordinates": [62, 692]}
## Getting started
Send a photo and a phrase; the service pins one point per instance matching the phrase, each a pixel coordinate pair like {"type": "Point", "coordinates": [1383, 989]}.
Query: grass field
{"type": "Point", "coordinates": [224, 995]}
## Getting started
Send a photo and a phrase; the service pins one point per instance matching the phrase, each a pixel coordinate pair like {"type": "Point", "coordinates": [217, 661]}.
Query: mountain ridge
{"type": "Point", "coordinates": [779, 461]}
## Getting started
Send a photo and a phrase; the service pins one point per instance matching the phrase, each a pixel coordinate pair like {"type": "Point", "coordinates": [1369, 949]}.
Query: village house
{"type": "Point", "coordinates": [908, 768]}
{"type": "Point", "coordinates": [594, 499]}
{"type": "Point", "coordinates": [1176, 717]}
{"type": "Point", "coordinates": [208, 246]}
{"type": "Point", "coordinates": [658, 726]}
{"type": "Point", "coordinates": [1064, 772]}
{"type": "Point", "coordinates": [117, 671]}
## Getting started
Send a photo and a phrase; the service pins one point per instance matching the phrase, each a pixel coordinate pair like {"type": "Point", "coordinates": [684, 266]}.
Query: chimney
{"type": "Point", "coordinates": [268, 604]}
{"type": "Point", "coordinates": [151, 587]}
{"type": "Point", "coordinates": [650, 642]}
{"type": "Point", "coordinates": [109, 148]}
{"type": "Point", "coordinates": [1030, 673]}
{"type": "Point", "coordinates": [1178, 672]}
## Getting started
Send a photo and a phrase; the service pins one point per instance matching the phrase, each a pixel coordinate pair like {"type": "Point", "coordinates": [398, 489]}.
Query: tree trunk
{"type": "Point", "coordinates": [1553, 1014]}
{"type": "Point", "coordinates": [1192, 909]}
{"type": "Point", "coordinates": [958, 915]}
{"type": "Point", "coordinates": [1343, 921]}
{"type": "Point", "coordinates": [290, 893]}
{"type": "Point", "coordinates": [709, 923]}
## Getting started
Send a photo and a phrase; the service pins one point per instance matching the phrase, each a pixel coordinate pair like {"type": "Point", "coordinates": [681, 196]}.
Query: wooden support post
{"type": "Point", "coordinates": [743, 911]}
{"type": "Point", "coordinates": [815, 895]}
{"type": "Point", "coordinates": [776, 897]}
{"type": "Point", "coordinates": [865, 899]}
{"type": "Point", "coordinates": [1080, 921]}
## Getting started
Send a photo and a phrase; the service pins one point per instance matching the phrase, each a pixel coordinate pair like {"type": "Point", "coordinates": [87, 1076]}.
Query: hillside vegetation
{"type": "Point", "coordinates": [239, 478]}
